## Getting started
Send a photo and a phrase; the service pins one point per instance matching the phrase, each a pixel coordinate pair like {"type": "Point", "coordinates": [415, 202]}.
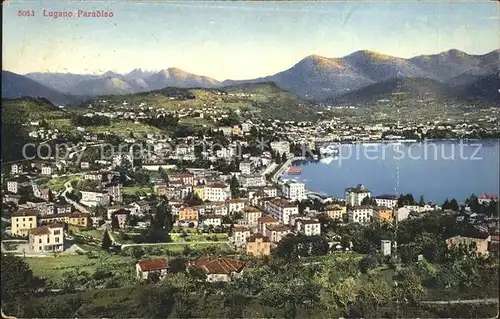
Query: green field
{"type": "Point", "coordinates": [124, 128]}
{"type": "Point", "coordinates": [53, 268]}
{"type": "Point", "coordinates": [56, 184]}
{"type": "Point", "coordinates": [137, 190]}
{"type": "Point", "coordinates": [176, 237]}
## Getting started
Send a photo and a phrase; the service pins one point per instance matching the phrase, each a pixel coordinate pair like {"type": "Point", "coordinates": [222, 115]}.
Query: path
{"type": "Point", "coordinates": [465, 301]}
{"type": "Point", "coordinates": [284, 166]}
{"type": "Point", "coordinates": [176, 243]}
{"type": "Point", "coordinates": [69, 188]}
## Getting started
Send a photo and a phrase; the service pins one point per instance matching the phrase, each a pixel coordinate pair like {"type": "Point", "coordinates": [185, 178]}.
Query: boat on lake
{"type": "Point", "coordinates": [294, 171]}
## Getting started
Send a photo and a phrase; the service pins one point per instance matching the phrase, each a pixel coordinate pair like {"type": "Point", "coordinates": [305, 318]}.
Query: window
{"type": "Point", "coordinates": [57, 239]}
{"type": "Point", "coordinates": [23, 219]}
{"type": "Point", "coordinates": [57, 232]}
{"type": "Point", "coordinates": [40, 241]}
{"type": "Point", "coordinates": [40, 248]}
{"type": "Point", "coordinates": [30, 219]}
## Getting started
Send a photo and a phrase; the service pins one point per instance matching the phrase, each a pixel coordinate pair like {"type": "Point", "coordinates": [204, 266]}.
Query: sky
{"type": "Point", "coordinates": [235, 40]}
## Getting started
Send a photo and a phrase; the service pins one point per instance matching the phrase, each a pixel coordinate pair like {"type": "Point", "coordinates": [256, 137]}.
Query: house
{"type": "Point", "coordinates": [76, 219]}
{"type": "Point", "coordinates": [48, 238]}
{"type": "Point", "coordinates": [281, 209]}
{"type": "Point", "coordinates": [402, 213]}
{"type": "Point", "coordinates": [487, 198]}
{"type": "Point", "coordinates": [121, 216]}
{"type": "Point", "coordinates": [335, 211]}
{"type": "Point", "coordinates": [264, 221]}
{"type": "Point", "coordinates": [16, 169]}
{"type": "Point", "coordinates": [216, 192]}
{"type": "Point", "coordinates": [258, 245]}
{"type": "Point", "coordinates": [212, 220]}
{"type": "Point", "coordinates": [294, 191]}
{"type": "Point", "coordinates": [354, 195]}
{"type": "Point", "coordinates": [185, 178]}
{"type": "Point", "coordinates": [41, 206]}
{"type": "Point", "coordinates": [270, 191]}
{"type": "Point", "coordinates": [477, 242]}
{"type": "Point", "coordinates": [151, 269]}
{"type": "Point", "coordinates": [239, 236]}
{"type": "Point", "coordinates": [280, 147]}
{"type": "Point", "coordinates": [308, 227]}
{"type": "Point", "coordinates": [91, 198]}
{"type": "Point", "coordinates": [22, 221]}
{"type": "Point", "coordinates": [246, 167]}
{"type": "Point", "coordinates": [47, 170]}
{"type": "Point", "coordinates": [140, 208]}
{"type": "Point", "coordinates": [277, 232]}
{"type": "Point", "coordinates": [251, 216]}
{"type": "Point", "coordinates": [235, 205]}
{"type": "Point", "coordinates": [360, 214]}
{"type": "Point", "coordinates": [219, 269]}
{"type": "Point", "coordinates": [115, 192]}
{"type": "Point", "coordinates": [62, 207]}
{"type": "Point", "coordinates": [390, 201]}
{"type": "Point", "coordinates": [11, 198]}
{"type": "Point", "coordinates": [252, 180]}
{"type": "Point", "coordinates": [382, 214]}
{"type": "Point", "coordinates": [188, 214]}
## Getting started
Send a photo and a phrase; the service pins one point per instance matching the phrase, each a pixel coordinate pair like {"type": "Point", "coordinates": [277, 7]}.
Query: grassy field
{"type": "Point", "coordinates": [176, 237]}
{"type": "Point", "coordinates": [56, 184]}
{"type": "Point", "coordinates": [53, 268]}
{"type": "Point", "coordinates": [179, 247]}
{"type": "Point", "coordinates": [124, 128]}
{"type": "Point", "coordinates": [61, 124]}
{"type": "Point", "coordinates": [136, 190]}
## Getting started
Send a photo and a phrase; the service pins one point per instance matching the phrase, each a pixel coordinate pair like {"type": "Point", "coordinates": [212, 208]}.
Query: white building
{"type": "Point", "coordinates": [390, 201]}
{"type": "Point", "coordinates": [48, 238]}
{"type": "Point", "coordinates": [16, 169]}
{"type": "Point", "coordinates": [294, 191]}
{"type": "Point", "coordinates": [360, 214]}
{"type": "Point", "coordinates": [246, 167]}
{"type": "Point", "coordinates": [212, 220]}
{"type": "Point", "coordinates": [385, 247]}
{"type": "Point", "coordinates": [216, 192]}
{"type": "Point", "coordinates": [270, 191]}
{"type": "Point", "coordinates": [355, 195]}
{"type": "Point", "coordinates": [276, 232]}
{"type": "Point", "coordinates": [239, 236]}
{"type": "Point", "coordinates": [308, 227]}
{"type": "Point", "coordinates": [281, 209]}
{"type": "Point", "coordinates": [47, 170]}
{"type": "Point", "coordinates": [235, 205]}
{"type": "Point", "coordinates": [281, 147]}
{"type": "Point", "coordinates": [95, 198]}
{"type": "Point", "coordinates": [251, 216]}
{"type": "Point", "coordinates": [252, 180]}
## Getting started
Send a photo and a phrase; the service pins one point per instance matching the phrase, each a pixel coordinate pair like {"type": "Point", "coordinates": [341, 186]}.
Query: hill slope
{"type": "Point", "coordinates": [17, 86]}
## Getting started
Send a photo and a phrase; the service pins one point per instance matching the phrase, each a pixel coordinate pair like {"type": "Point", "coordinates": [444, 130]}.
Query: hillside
{"type": "Point", "coordinates": [266, 100]}
{"type": "Point", "coordinates": [18, 86]}
{"type": "Point", "coordinates": [400, 88]}
{"type": "Point", "coordinates": [485, 89]}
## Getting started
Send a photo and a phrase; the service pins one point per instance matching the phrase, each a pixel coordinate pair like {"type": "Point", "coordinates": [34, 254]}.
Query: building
{"type": "Point", "coordinates": [212, 220]}
{"type": "Point", "coordinates": [114, 192]}
{"type": "Point", "coordinates": [252, 180]}
{"type": "Point", "coordinates": [185, 178]}
{"type": "Point", "coordinates": [402, 213]}
{"type": "Point", "coordinates": [360, 214]}
{"type": "Point", "coordinates": [76, 219]}
{"type": "Point", "coordinates": [264, 221]}
{"type": "Point", "coordinates": [47, 170]}
{"type": "Point", "coordinates": [308, 227]}
{"type": "Point", "coordinates": [22, 221]}
{"type": "Point", "coordinates": [281, 147]}
{"type": "Point", "coordinates": [294, 191]}
{"type": "Point", "coordinates": [258, 245]}
{"type": "Point", "coordinates": [235, 205]}
{"type": "Point", "coordinates": [381, 214]}
{"type": "Point", "coordinates": [335, 211]}
{"type": "Point", "coordinates": [385, 247]}
{"type": "Point", "coordinates": [281, 209]}
{"type": "Point", "coordinates": [246, 167]}
{"type": "Point", "coordinates": [219, 269]}
{"type": "Point", "coordinates": [277, 232]}
{"type": "Point", "coordinates": [487, 198]}
{"type": "Point", "coordinates": [151, 269]}
{"type": "Point", "coordinates": [354, 195]}
{"type": "Point", "coordinates": [251, 216]}
{"type": "Point", "coordinates": [188, 214]}
{"type": "Point", "coordinates": [390, 201]}
{"type": "Point", "coordinates": [477, 242]}
{"type": "Point", "coordinates": [91, 198]}
{"type": "Point", "coordinates": [270, 191]}
{"type": "Point", "coordinates": [16, 169]}
{"type": "Point", "coordinates": [239, 236]}
{"type": "Point", "coordinates": [48, 238]}
{"type": "Point", "coordinates": [62, 207]}
{"type": "Point", "coordinates": [216, 192]}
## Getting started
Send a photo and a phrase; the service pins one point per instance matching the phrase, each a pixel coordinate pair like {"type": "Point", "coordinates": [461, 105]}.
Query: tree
{"type": "Point", "coordinates": [369, 201]}
{"type": "Point", "coordinates": [284, 157]}
{"type": "Point", "coordinates": [421, 201]}
{"type": "Point", "coordinates": [106, 241]}
{"type": "Point", "coordinates": [114, 222]}
{"type": "Point", "coordinates": [454, 205]}
{"type": "Point", "coordinates": [101, 211]}
{"type": "Point", "coordinates": [17, 280]}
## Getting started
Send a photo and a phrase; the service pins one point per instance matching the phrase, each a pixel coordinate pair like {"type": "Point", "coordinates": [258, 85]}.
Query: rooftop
{"type": "Point", "coordinates": [153, 264]}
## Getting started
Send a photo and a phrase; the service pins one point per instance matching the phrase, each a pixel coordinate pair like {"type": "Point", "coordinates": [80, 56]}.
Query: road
{"type": "Point", "coordinates": [284, 166]}
{"type": "Point", "coordinates": [178, 243]}
{"type": "Point", "coordinates": [466, 301]}
{"type": "Point", "coordinates": [69, 188]}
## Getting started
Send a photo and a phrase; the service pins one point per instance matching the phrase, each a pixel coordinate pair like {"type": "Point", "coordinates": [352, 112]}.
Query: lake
{"type": "Point", "coordinates": [435, 169]}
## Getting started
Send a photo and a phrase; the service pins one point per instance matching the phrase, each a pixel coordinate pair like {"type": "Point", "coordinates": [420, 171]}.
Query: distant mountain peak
{"type": "Point", "coordinates": [324, 63]}
{"type": "Point", "coordinates": [373, 55]}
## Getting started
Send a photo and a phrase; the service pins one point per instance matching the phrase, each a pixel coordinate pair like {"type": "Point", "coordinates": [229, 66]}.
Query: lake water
{"type": "Point", "coordinates": [435, 169]}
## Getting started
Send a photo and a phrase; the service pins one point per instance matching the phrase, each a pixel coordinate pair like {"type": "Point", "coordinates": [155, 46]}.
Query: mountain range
{"type": "Point", "coordinates": [315, 78]}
